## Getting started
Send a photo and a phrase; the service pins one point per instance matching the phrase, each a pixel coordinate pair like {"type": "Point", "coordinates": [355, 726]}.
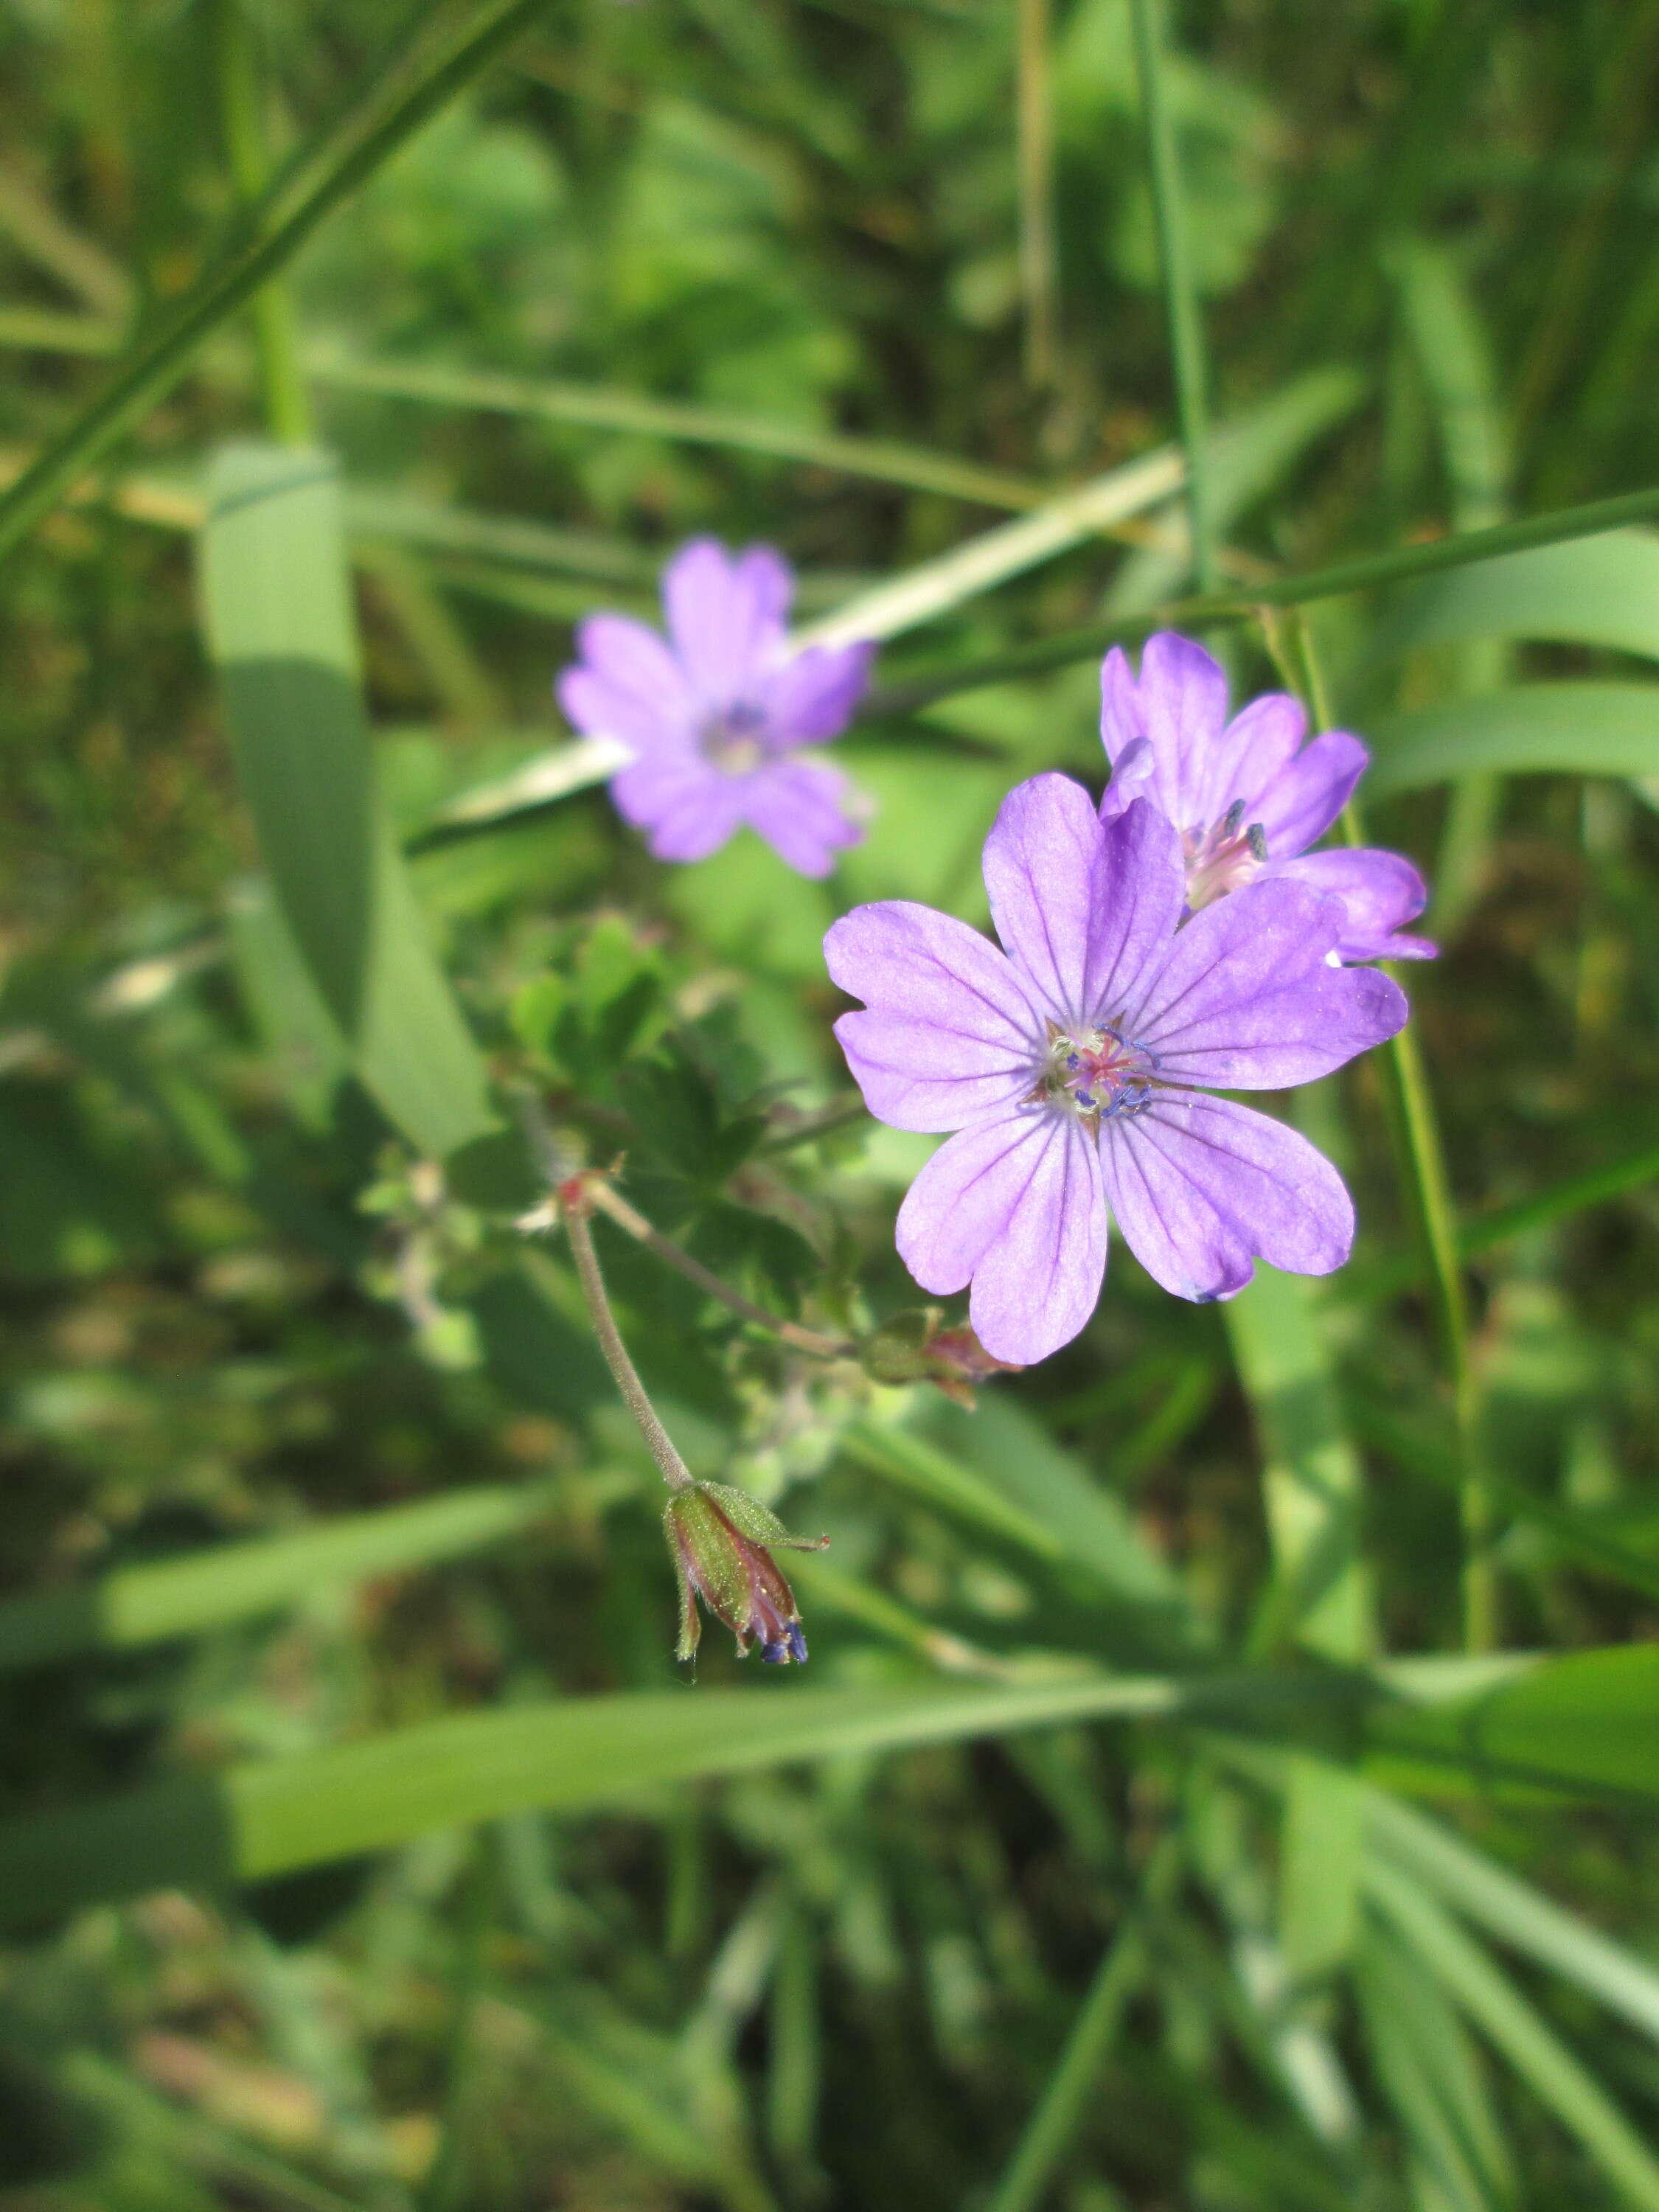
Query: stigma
{"type": "Point", "coordinates": [1222, 858]}
{"type": "Point", "coordinates": [1098, 1073]}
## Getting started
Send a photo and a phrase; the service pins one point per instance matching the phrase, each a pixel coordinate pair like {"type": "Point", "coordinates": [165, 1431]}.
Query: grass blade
{"type": "Point", "coordinates": [995, 555]}
{"type": "Point", "coordinates": [1433, 1856]}
{"type": "Point", "coordinates": [1532, 2047]}
{"type": "Point", "coordinates": [602, 407]}
{"type": "Point", "coordinates": [1592, 591]}
{"type": "Point", "coordinates": [1563, 729]}
{"type": "Point", "coordinates": [1180, 293]}
{"type": "Point", "coordinates": [134, 1606]}
{"type": "Point", "coordinates": [279, 623]}
{"type": "Point", "coordinates": [1312, 1480]}
{"type": "Point", "coordinates": [1367, 572]}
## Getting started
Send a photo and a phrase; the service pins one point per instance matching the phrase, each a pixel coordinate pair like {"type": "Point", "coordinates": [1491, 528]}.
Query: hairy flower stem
{"type": "Point", "coordinates": [1422, 1162]}
{"type": "Point", "coordinates": [574, 1200]}
{"type": "Point", "coordinates": [615, 1206]}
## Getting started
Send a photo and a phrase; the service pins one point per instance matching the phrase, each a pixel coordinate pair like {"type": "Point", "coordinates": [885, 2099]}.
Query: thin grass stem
{"type": "Point", "coordinates": [1424, 1175]}
{"type": "Point", "coordinates": [1180, 294]}
{"type": "Point", "coordinates": [1399, 565]}
{"type": "Point", "coordinates": [241, 121]}
{"type": "Point", "coordinates": [1033, 106]}
{"type": "Point", "coordinates": [376, 127]}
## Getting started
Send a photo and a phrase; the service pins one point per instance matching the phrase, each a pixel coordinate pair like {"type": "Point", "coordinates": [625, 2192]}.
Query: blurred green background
{"type": "Point", "coordinates": [1158, 1825]}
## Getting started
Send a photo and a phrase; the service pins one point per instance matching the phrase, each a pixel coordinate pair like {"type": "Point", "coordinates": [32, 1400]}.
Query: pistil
{"type": "Point", "coordinates": [1222, 858]}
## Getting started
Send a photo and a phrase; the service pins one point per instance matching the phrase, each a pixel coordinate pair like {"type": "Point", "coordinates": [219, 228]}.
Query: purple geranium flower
{"type": "Point", "coordinates": [716, 719]}
{"type": "Point", "coordinates": [1070, 1065]}
{"type": "Point", "coordinates": [1247, 795]}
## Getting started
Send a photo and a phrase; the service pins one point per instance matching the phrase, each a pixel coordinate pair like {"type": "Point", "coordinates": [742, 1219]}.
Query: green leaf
{"type": "Point", "coordinates": [271, 1816]}
{"type": "Point", "coordinates": [1565, 729]}
{"type": "Point", "coordinates": [278, 617]}
{"type": "Point", "coordinates": [139, 1604]}
{"type": "Point", "coordinates": [1312, 1481]}
{"type": "Point", "coordinates": [1320, 1853]}
{"type": "Point", "coordinates": [1587, 1724]}
{"type": "Point", "coordinates": [1591, 591]}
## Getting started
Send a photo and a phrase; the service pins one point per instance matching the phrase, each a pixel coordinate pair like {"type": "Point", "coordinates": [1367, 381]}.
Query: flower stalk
{"type": "Point", "coordinates": [574, 1202]}
{"type": "Point", "coordinates": [605, 1199]}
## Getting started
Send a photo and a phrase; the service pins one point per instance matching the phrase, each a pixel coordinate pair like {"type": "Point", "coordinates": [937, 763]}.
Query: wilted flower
{"type": "Point", "coordinates": [717, 717]}
{"type": "Point", "coordinates": [1247, 795]}
{"type": "Point", "coordinates": [1068, 1064]}
{"type": "Point", "coordinates": [718, 1538]}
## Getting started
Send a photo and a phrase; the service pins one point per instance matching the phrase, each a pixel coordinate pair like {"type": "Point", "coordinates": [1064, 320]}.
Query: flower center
{"type": "Point", "coordinates": [731, 740]}
{"type": "Point", "coordinates": [1222, 858]}
{"type": "Point", "coordinates": [1099, 1073]}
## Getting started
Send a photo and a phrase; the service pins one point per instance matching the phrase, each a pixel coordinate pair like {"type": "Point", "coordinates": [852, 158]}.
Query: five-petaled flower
{"type": "Point", "coordinates": [1072, 1065]}
{"type": "Point", "coordinates": [1246, 796]}
{"type": "Point", "coordinates": [719, 718]}
{"type": "Point", "coordinates": [720, 1539]}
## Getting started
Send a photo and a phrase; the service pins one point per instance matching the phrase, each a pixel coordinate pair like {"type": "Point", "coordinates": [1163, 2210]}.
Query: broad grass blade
{"type": "Point", "coordinates": [278, 616]}
{"type": "Point", "coordinates": [139, 1605]}
{"type": "Point", "coordinates": [1565, 729]}
{"type": "Point", "coordinates": [1591, 591]}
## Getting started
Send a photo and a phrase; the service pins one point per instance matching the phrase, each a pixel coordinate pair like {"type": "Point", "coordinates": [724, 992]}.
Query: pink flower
{"type": "Point", "coordinates": [719, 718]}
{"type": "Point", "coordinates": [1247, 795]}
{"type": "Point", "coordinates": [1075, 1066]}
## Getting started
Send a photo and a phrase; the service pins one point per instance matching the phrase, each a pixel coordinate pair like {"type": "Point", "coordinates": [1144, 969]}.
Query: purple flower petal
{"type": "Point", "coordinates": [770, 582]}
{"type": "Point", "coordinates": [1255, 749]}
{"type": "Point", "coordinates": [724, 617]}
{"type": "Point", "coordinates": [811, 696]}
{"type": "Point", "coordinates": [1380, 891]}
{"type": "Point", "coordinates": [1247, 1000]}
{"type": "Point", "coordinates": [689, 809]}
{"type": "Point", "coordinates": [1180, 706]}
{"type": "Point", "coordinates": [1016, 1205]}
{"type": "Point", "coordinates": [1135, 775]}
{"type": "Point", "coordinates": [1142, 888]}
{"type": "Point", "coordinates": [632, 658]}
{"type": "Point", "coordinates": [1200, 1187]}
{"type": "Point", "coordinates": [800, 807]}
{"type": "Point", "coordinates": [1079, 908]}
{"type": "Point", "coordinates": [1302, 804]}
{"type": "Point", "coordinates": [601, 709]}
{"type": "Point", "coordinates": [949, 1036]}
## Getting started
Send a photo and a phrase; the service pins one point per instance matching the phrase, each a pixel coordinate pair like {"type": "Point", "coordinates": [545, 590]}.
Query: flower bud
{"type": "Point", "coordinates": [911, 1348]}
{"type": "Point", "coordinates": [719, 1539]}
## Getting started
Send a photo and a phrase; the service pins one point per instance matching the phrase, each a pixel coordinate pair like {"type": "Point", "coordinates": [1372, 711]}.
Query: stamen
{"type": "Point", "coordinates": [1222, 858]}
{"type": "Point", "coordinates": [1098, 1074]}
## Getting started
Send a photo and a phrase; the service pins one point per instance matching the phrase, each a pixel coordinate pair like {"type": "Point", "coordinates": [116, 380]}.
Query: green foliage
{"type": "Point", "coordinates": [363, 1843]}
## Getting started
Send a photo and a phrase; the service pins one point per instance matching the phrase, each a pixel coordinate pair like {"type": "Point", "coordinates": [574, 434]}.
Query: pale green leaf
{"type": "Point", "coordinates": [278, 617]}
